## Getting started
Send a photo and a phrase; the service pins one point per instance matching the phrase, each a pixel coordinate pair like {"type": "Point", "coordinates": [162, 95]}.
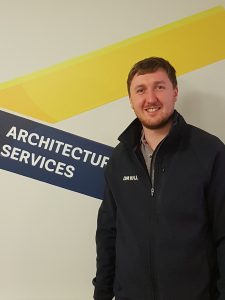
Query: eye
{"type": "Point", "coordinates": [160, 87]}
{"type": "Point", "coordinates": [140, 91]}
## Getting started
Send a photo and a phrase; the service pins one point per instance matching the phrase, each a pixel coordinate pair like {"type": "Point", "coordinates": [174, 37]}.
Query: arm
{"type": "Point", "coordinates": [105, 245]}
{"type": "Point", "coordinates": [216, 197]}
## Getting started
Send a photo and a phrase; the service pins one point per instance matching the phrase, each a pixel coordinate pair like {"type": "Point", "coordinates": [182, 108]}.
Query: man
{"type": "Point", "coordinates": [161, 225]}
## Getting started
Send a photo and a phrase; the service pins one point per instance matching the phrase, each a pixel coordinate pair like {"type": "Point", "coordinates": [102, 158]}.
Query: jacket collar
{"type": "Point", "coordinates": [132, 134]}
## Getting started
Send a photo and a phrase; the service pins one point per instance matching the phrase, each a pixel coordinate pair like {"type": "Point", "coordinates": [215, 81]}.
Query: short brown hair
{"type": "Point", "coordinates": [151, 65]}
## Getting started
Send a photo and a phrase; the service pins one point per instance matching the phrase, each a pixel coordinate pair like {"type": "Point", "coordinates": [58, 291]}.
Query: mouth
{"type": "Point", "coordinates": [152, 109]}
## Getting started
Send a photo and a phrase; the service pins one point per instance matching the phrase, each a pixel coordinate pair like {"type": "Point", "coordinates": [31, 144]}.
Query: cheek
{"type": "Point", "coordinates": [135, 103]}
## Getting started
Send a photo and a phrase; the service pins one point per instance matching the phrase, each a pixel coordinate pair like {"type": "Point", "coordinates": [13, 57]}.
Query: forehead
{"type": "Point", "coordinates": [150, 78]}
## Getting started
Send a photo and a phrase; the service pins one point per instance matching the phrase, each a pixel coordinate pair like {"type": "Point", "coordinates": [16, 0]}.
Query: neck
{"type": "Point", "coordinates": [155, 136]}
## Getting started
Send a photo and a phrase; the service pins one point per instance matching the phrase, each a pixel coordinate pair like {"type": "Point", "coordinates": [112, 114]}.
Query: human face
{"type": "Point", "coordinates": [153, 97]}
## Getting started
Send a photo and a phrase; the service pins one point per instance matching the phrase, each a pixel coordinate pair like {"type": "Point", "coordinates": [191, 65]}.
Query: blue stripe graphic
{"type": "Point", "coordinates": [53, 156]}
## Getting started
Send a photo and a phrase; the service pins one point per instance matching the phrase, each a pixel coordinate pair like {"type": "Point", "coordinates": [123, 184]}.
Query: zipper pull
{"type": "Point", "coordinates": [152, 191]}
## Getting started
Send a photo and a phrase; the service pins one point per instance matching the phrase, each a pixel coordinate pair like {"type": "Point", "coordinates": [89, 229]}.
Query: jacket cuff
{"type": "Point", "coordinates": [103, 298]}
{"type": "Point", "coordinates": [102, 292]}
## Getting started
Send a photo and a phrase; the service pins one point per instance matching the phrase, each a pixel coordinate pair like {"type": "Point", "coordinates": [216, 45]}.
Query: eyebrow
{"type": "Point", "coordinates": [155, 82]}
{"type": "Point", "coordinates": [160, 81]}
{"type": "Point", "coordinates": [138, 86]}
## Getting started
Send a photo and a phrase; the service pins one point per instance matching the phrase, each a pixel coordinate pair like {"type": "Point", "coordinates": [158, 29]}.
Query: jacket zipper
{"type": "Point", "coordinates": [152, 180]}
{"type": "Point", "coordinates": [152, 170]}
{"type": "Point", "coordinates": [152, 191]}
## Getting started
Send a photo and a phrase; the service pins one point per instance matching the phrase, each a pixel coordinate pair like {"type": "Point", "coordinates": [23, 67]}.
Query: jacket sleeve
{"type": "Point", "coordinates": [105, 246]}
{"type": "Point", "coordinates": [216, 201]}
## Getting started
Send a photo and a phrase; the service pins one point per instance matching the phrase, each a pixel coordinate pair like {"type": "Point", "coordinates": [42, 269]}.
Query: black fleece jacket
{"type": "Point", "coordinates": [163, 238]}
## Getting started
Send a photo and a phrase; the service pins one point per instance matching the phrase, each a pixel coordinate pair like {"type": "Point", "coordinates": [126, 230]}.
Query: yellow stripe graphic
{"type": "Point", "coordinates": [99, 77]}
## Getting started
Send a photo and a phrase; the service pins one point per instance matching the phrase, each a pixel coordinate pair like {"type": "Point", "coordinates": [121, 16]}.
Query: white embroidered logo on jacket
{"type": "Point", "coordinates": [130, 178]}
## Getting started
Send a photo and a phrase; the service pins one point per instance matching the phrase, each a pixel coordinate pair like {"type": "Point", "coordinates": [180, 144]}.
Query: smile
{"type": "Point", "coordinates": [152, 109]}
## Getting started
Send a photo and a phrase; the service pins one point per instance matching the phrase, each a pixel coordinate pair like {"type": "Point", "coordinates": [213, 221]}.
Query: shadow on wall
{"type": "Point", "coordinates": [206, 111]}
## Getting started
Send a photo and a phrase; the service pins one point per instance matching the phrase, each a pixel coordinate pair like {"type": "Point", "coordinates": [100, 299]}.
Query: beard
{"type": "Point", "coordinates": [159, 124]}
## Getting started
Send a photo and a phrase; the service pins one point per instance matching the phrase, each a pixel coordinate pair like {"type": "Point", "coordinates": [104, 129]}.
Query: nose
{"type": "Point", "coordinates": [151, 96]}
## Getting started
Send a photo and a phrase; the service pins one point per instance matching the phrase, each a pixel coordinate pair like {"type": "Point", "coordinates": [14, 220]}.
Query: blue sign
{"type": "Point", "coordinates": [51, 155]}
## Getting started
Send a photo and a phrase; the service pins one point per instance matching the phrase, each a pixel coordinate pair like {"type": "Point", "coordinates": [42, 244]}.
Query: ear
{"type": "Point", "coordinates": [131, 103]}
{"type": "Point", "coordinates": [175, 93]}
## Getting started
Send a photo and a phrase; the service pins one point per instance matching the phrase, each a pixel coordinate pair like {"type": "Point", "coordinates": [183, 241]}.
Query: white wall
{"type": "Point", "coordinates": [47, 248]}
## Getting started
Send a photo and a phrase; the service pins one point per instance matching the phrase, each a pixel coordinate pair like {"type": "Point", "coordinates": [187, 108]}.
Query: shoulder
{"type": "Point", "coordinates": [119, 160]}
{"type": "Point", "coordinates": [200, 135]}
{"type": "Point", "coordinates": [117, 154]}
{"type": "Point", "coordinates": [206, 147]}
